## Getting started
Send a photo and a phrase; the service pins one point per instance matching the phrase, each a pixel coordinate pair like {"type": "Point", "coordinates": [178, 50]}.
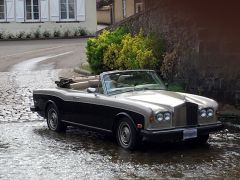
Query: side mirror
{"type": "Point", "coordinates": [91, 90]}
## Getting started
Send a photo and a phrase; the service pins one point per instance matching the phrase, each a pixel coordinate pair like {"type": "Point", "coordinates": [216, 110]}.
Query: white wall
{"type": "Point", "coordinates": [90, 23]}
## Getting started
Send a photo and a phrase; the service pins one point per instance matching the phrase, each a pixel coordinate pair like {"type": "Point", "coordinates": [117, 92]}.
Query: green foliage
{"type": "Point", "coordinates": [56, 33]}
{"type": "Point", "coordinates": [1, 34]}
{"type": "Point", "coordinates": [96, 48]}
{"type": "Point", "coordinates": [80, 32]}
{"type": "Point", "coordinates": [67, 33]}
{"type": "Point", "coordinates": [176, 87]}
{"type": "Point", "coordinates": [37, 33]}
{"type": "Point", "coordinates": [122, 50]}
{"type": "Point", "coordinates": [46, 34]}
{"type": "Point", "coordinates": [110, 56]}
{"type": "Point", "coordinates": [137, 53]}
{"type": "Point", "coordinates": [21, 35]}
{"type": "Point", "coordinates": [28, 35]}
{"type": "Point", "coordinates": [10, 36]}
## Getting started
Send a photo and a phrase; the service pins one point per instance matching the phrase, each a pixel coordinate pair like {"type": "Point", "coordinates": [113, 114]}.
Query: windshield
{"type": "Point", "coordinates": [121, 82]}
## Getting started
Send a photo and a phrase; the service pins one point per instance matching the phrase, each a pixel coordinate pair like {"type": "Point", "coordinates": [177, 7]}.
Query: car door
{"type": "Point", "coordinates": [92, 110]}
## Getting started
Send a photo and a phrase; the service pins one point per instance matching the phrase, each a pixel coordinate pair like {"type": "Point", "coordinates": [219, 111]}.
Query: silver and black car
{"type": "Point", "coordinates": [131, 105]}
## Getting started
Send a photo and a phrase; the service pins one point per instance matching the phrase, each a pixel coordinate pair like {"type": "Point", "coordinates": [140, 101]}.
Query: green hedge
{"type": "Point", "coordinates": [122, 50]}
{"type": "Point", "coordinates": [96, 48]}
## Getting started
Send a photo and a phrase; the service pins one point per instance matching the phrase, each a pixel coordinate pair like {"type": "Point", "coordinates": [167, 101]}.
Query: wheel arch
{"type": "Point", "coordinates": [120, 116]}
{"type": "Point", "coordinates": [48, 103]}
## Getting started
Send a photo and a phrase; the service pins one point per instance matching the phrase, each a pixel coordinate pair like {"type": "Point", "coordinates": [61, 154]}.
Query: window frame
{"type": "Point", "coordinates": [75, 11]}
{"type": "Point", "coordinates": [32, 11]}
{"type": "Point", "coordinates": [4, 12]}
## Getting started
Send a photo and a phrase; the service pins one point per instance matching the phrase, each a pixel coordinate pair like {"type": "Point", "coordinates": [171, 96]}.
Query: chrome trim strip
{"type": "Point", "coordinates": [78, 124]}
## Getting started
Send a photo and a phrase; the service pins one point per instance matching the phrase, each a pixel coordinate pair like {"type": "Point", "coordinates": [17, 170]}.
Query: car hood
{"type": "Point", "coordinates": [167, 99]}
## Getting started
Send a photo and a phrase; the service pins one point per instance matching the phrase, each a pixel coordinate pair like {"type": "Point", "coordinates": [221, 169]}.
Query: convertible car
{"type": "Point", "coordinates": [131, 105]}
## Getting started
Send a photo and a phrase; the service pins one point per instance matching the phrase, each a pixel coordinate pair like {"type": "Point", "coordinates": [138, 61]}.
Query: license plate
{"type": "Point", "coordinates": [189, 133]}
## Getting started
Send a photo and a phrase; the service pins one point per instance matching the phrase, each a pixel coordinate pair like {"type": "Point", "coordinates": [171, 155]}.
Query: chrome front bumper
{"type": "Point", "coordinates": [178, 133]}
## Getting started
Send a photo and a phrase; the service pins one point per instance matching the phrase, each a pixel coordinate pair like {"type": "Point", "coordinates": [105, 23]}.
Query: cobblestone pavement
{"type": "Point", "coordinates": [16, 93]}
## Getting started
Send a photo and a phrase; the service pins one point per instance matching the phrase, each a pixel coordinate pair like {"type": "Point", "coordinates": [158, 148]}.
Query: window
{"type": "Point", "coordinates": [32, 10]}
{"type": "Point", "coordinates": [2, 10]}
{"type": "Point", "coordinates": [67, 9]}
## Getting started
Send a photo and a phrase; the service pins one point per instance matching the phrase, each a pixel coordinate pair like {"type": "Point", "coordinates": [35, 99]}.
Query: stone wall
{"type": "Point", "coordinates": [205, 35]}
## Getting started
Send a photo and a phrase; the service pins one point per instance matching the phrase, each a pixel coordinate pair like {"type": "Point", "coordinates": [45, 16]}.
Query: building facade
{"type": "Point", "coordinates": [127, 8]}
{"type": "Point", "coordinates": [27, 15]}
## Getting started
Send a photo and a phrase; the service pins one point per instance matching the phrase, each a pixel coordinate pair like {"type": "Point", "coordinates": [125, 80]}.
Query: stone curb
{"type": "Point", "coordinates": [53, 38]}
{"type": "Point", "coordinates": [82, 71]}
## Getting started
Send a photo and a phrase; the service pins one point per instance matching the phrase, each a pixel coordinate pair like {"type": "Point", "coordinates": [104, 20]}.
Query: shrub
{"type": "Point", "coordinates": [10, 36]}
{"type": "Point", "coordinates": [121, 50]}
{"type": "Point", "coordinates": [21, 35]}
{"type": "Point", "coordinates": [1, 34]}
{"type": "Point", "coordinates": [137, 53]}
{"type": "Point", "coordinates": [37, 33]}
{"type": "Point", "coordinates": [80, 32]}
{"type": "Point", "coordinates": [110, 56]}
{"type": "Point", "coordinates": [46, 34]}
{"type": "Point", "coordinates": [56, 33]}
{"type": "Point", "coordinates": [67, 33]}
{"type": "Point", "coordinates": [28, 35]}
{"type": "Point", "coordinates": [97, 46]}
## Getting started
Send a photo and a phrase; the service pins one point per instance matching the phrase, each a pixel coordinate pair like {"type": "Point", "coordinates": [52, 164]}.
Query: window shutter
{"type": "Point", "coordinates": [54, 10]}
{"type": "Point", "coordinates": [20, 10]}
{"type": "Point", "coordinates": [81, 10]}
{"type": "Point", "coordinates": [44, 10]}
{"type": "Point", "coordinates": [10, 10]}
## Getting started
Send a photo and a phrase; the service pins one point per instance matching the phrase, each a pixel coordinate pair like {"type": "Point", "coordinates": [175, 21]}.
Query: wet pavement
{"type": "Point", "coordinates": [28, 150]}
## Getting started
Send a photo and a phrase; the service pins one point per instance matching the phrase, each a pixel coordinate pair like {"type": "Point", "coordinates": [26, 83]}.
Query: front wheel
{"type": "Point", "coordinates": [53, 119]}
{"type": "Point", "coordinates": [127, 136]}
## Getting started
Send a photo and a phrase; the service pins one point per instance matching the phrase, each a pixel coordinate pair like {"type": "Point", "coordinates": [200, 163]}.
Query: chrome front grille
{"type": "Point", "coordinates": [185, 115]}
{"type": "Point", "coordinates": [191, 114]}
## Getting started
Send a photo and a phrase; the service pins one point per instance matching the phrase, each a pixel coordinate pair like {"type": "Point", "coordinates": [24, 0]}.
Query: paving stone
{"type": "Point", "coordinates": [16, 93]}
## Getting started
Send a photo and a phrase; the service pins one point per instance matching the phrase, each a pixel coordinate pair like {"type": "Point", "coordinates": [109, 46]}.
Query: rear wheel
{"type": "Point", "coordinates": [53, 119]}
{"type": "Point", "coordinates": [127, 136]}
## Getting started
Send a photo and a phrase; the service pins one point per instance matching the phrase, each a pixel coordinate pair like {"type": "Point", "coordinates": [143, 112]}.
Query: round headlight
{"type": "Point", "coordinates": [160, 117]}
{"type": "Point", "coordinates": [210, 112]}
{"type": "Point", "coordinates": [203, 113]}
{"type": "Point", "coordinates": [167, 116]}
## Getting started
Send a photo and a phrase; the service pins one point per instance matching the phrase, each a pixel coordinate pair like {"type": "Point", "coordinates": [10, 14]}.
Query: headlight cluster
{"type": "Point", "coordinates": [163, 116]}
{"type": "Point", "coordinates": [206, 112]}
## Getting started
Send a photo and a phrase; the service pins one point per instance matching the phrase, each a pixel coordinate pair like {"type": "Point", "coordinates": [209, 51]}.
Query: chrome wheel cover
{"type": "Point", "coordinates": [125, 133]}
{"type": "Point", "coordinates": [52, 119]}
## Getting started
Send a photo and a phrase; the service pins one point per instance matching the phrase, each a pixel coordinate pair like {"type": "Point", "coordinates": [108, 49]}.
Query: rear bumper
{"type": "Point", "coordinates": [177, 133]}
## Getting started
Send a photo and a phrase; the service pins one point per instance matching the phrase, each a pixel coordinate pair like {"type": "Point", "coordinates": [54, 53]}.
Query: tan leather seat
{"type": "Point", "coordinates": [84, 85]}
